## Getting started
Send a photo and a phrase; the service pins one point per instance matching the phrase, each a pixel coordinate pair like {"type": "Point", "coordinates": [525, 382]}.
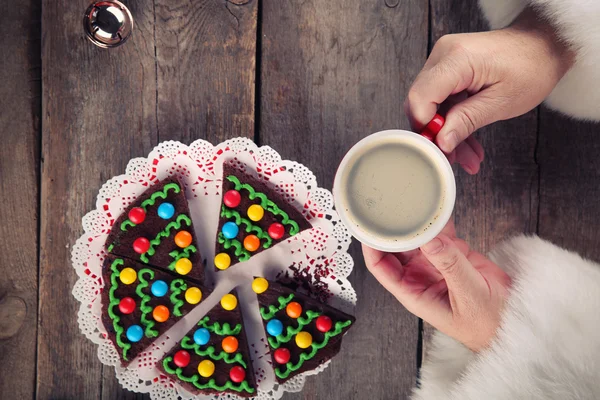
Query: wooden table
{"type": "Point", "coordinates": [309, 78]}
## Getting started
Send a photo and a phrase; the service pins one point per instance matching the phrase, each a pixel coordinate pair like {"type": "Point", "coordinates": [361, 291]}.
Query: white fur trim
{"type": "Point", "coordinates": [576, 21]}
{"type": "Point", "coordinates": [548, 344]}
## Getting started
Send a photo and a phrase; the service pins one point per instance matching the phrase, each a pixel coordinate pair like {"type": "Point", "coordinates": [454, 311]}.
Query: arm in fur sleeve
{"type": "Point", "coordinates": [576, 23]}
{"type": "Point", "coordinates": [548, 343]}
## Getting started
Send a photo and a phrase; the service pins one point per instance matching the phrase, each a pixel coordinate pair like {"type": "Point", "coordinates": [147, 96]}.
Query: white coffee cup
{"type": "Point", "coordinates": [432, 226]}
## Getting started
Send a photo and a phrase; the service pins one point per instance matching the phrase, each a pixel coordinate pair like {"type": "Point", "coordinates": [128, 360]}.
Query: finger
{"type": "Point", "coordinates": [476, 146]}
{"type": "Point", "coordinates": [466, 157]}
{"type": "Point", "coordinates": [460, 275]}
{"type": "Point", "coordinates": [433, 86]}
{"type": "Point", "coordinates": [465, 118]}
{"type": "Point", "coordinates": [386, 268]}
{"type": "Point", "coordinates": [450, 231]}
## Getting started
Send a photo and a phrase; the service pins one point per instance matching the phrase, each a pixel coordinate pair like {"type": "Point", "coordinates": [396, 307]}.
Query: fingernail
{"type": "Point", "coordinates": [468, 169]}
{"type": "Point", "coordinates": [433, 247]}
{"type": "Point", "coordinates": [449, 141]}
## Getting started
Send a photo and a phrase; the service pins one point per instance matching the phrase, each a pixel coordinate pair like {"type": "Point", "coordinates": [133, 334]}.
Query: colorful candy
{"type": "Point", "coordinates": [160, 313]}
{"type": "Point", "coordinates": [137, 215]}
{"type": "Point", "coordinates": [193, 295]}
{"type": "Point", "coordinates": [127, 305]}
{"type": "Point", "coordinates": [166, 210]}
{"type": "Point", "coordinates": [183, 239]}
{"type": "Point", "coordinates": [232, 198]}
{"type": "Point", "coordinates": [276, 230]}
{"type": "Point", "coordinates": [222, 261]}
{"type": "Point", "coordinates": [282, 355]}
{"type": "Point", "coordinates": [141, 245]}
{"type": "Point", "coordinates": [293, 310]}
{"type": "Point", "coordinates": [134, 333]}
{"type": "Point", "coordinates": [255, 212]}
{"type": "Point", "coordinates": [237, 374]}
{"type": "Point", "coordinates": [229, 344]}
{"type": "Point", "coordinates": [324, 323]}
{"type": "Point", "coordinates": [159, 288]}
{"type": "Point", "coordinates": [229, 302]}
{"type": "Point", "coordinates": [181, 358]}
{"type": "Point", "coordinates": [230, 230]}
{"type": "Point", "coordinates": [128, 275]}
{"type": "Point", "coordinates": [206, 368]}
{"type": "Point", "coordinates": [201, 336]}
{"type": "Point", "coordinates": [303, 339]}
{"type": "Point", "coordinates": [251, 242]}
{"type": "Point", "coordinates": [274, 327]}
{"type": "Point", "coordinates": [183, 266]}
{"type": "Point", "coordinates": [260, 285]}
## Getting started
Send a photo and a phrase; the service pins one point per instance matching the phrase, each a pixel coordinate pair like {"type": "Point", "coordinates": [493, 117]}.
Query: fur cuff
{"type": "Point", "coordinates": [576, 21]}
{"type": "Point", "coordinates": [547, 346]}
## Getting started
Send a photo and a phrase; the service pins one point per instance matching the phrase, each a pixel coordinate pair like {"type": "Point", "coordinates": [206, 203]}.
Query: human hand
{"type": "Point", "coordinates": [496, 75]}
{"type": "Point", "coordinates": [458, 291]}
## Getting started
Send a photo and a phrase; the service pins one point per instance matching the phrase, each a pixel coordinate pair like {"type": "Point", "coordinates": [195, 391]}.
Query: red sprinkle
{"type": "Point", "coordinates": [232, 198]}
{"type": "Point", "coordinates": [276, 230]}
{"type": "Point", "coordinates": [141, 245]}
{"type": "Point", "coordinates": [324, 323]}
{"type": "Point", "coordinates": [181, 358]}
{"type": "Point", "coordinates": [237, 374]}
{"type": "Point", "coordinates": [137, 215]}
{"type": "Point", "coordinates": [282, 355]}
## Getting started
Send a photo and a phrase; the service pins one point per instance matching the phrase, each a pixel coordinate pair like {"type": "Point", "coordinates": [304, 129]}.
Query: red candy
{"type": "Point", "coordinates": [276, 230]}
{"type": "Point", "coordinates": [282, 355]}
{"type": "Point", "coordinates": [232, 198]}
{"type": "Point", "coordinates": [237, 374]}
{"type": "Point", "coordinates": [181, 358]}
{"type": "Point", "coordinates": [127, 305]}
{"type": "Point", "coordinates": [324, 323]}
{"type": "Point", "coordinates": [137, 215]}
{"type": "Point", "coordinates": [141, 245]}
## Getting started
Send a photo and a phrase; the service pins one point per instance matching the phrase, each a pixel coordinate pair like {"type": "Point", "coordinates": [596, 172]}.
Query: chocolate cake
{"type": "Point", "coordinates": [157, 230]}
{"type": "Point", "coordinates": [213, 357]}
{"type": "Point", "coordinates": [140, 303]}
{"type": "Point", "coordinates": [302, 333]}
{"type": "Point", "coordinates": [254, 217]}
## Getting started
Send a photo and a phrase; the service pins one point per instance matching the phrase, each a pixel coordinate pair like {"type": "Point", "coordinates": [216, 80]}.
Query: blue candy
{"type": "Point", "coordinates": [135, 333]}
{"type": "Point", "coordinates": [201, 336]}
{"type": "Point", "coordinates": [166, 210]}
{"type": "Point", "coordinates": [159, 288]}
{"type": "Point", "coordinates": [230, 230]}
{"type": "Point", "coordinates": [274, 327]}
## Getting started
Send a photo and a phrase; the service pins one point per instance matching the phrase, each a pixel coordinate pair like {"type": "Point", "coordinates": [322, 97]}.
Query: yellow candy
{"type": "Point", "coordinates": [222, 261]}
{"type": "Point", "coordinates": [193, 295]}
{"type": "Point", "coordinates": [183, 266]}
{"type": "Point", "coordinates": [255, 212]}
{"type": "Point", "coordinates": [229, 302]}
{"type": "Point", "coordinates": [260, 285]}
{"type": "Point", "coordinates": [206, 368]}
{"type": "Point", "coordinates": [128, 275]}
{"type": "Point", "coordinates": [303, 339]}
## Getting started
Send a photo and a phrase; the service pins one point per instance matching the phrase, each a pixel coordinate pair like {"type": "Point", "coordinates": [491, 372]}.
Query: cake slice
{"type": "Point", "coordinates": [213, 357]}
{"type": "Point", "coordinates": [254, 217]}
{"type": "Point", "coordinates": [302, 333]}
{"type": "Point", "coordinates": [157, 230]}
{"type": "Point", "coordinates": [140, 303]}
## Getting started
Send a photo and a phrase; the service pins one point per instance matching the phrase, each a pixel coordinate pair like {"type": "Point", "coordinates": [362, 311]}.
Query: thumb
{"type": "Point", "coordinates": [460, 275]}
{"type": "Point", "coordinates": [466, 117]}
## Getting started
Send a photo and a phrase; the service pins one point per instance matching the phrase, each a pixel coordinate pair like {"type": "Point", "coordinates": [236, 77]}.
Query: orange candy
{"type": "Point", "coordinates": [160, 313]}
{"type": "Point", "coordinates": [294, 310]}
{"type": "Point", "coordinates": [229, 344]}
{"type": "Point", "coordinates": [251, 242]}
{"type": "Point", "coordinates": [183, 239]}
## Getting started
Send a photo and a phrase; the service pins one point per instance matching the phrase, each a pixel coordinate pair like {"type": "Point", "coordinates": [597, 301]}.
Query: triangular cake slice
{"type": "Point", "coordinates": [302, 333]}
{"type": "Point", "coordinates": [213, 357]}
{"type": "Point", "coordinates": [253, 218]}
{"type": "Point", "coordinates": [157, 230]}
{"type": "Point", "coordinates": [140, 303]}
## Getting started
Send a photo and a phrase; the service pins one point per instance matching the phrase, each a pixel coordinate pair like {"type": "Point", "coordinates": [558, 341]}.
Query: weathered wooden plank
{"type": "Point", "coordinates": [501, 200]}
{"type": "Point", "coordinates": [98, 112]}
{"type": "Point", "coordinates": [569, 189]}
{"type": "Point", "coordinates": [20, 94]}
{"type": "Point", "coordinates": [206, 53]}
{"type": "Point", "coordinates": [330, 75]}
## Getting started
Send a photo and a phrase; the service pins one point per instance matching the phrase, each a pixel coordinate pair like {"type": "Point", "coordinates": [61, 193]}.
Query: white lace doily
{"type": "Point", "coordinates": [318, 255]}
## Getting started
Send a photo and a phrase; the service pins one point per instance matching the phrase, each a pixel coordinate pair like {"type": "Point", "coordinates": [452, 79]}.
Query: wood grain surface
{"type": "Point", "coordinates": [309, 78]}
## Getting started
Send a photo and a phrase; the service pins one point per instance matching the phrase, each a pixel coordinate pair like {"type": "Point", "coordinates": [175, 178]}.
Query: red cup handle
{"type": "Point", "coordinates": [433, 127]}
